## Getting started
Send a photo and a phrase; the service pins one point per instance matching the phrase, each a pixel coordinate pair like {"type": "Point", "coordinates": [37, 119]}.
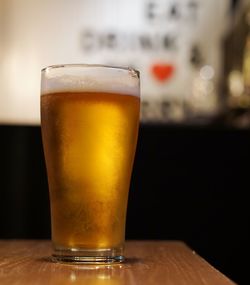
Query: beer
{"type": "Point", "coordinates": [89, 140]}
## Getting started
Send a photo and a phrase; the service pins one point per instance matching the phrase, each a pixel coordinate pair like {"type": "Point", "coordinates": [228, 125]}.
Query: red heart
{"type": "Point", "coordinates": [162, 72]}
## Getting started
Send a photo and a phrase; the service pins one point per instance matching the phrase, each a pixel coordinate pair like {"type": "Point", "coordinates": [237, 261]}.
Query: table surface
{"type": "Point", "coordinates": [148, 262]}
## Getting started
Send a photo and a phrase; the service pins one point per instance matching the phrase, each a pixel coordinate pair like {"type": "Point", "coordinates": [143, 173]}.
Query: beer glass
{"type": "Point", "coordinates": [89, 120]}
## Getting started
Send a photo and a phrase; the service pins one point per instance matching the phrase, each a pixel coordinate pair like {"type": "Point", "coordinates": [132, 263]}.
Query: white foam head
{"type": "Point", "coordinates": [90, 78]}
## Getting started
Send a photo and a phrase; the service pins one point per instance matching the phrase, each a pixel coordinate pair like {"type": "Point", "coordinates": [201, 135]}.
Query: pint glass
{"type": "Point", "coordinates": [89, 119]}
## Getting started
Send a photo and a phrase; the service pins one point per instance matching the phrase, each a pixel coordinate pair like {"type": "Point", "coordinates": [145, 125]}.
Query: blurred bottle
{"type": "Point", "coordinates": [237, 68]}
{"type": "Point", "coordinates": [246, 54]}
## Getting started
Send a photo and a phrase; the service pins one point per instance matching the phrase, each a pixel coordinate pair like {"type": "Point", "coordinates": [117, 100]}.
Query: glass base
{"type": "Point", "coordinates": [88, 256]}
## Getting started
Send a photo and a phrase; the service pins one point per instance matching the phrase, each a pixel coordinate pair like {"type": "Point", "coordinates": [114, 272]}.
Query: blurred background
{"type": "Point", "coordinates": [191, 172]}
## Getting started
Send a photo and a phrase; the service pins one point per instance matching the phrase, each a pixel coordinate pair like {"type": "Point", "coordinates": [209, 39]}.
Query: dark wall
{"type": "Point", "coordinates": [189, 183]}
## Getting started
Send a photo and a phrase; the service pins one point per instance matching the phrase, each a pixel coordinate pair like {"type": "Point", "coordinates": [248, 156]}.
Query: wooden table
{"type": "Point", "coordinates": [148, 262]}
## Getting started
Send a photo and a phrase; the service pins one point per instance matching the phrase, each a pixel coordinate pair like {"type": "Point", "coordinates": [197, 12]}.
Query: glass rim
{"type": "Point", "coordinates": [89, 65]}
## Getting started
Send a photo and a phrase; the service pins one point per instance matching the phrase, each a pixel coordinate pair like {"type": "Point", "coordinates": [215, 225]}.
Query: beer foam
{"type": "Point", "coordinates": [90, 78]}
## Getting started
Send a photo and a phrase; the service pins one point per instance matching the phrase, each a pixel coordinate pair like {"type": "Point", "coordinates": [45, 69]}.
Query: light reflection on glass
{"type": "Point", "coordinates": [91, 275]}
{"type": "Point", "coordinates": [235, 83]}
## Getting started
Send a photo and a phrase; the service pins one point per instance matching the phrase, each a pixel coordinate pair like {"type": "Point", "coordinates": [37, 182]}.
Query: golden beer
{"type": "Point", "coordinates": [89, 143]}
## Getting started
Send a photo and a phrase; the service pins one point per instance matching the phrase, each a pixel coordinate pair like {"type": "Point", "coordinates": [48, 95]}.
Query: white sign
{"type": "Point", "coordinates": [175, 44]}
